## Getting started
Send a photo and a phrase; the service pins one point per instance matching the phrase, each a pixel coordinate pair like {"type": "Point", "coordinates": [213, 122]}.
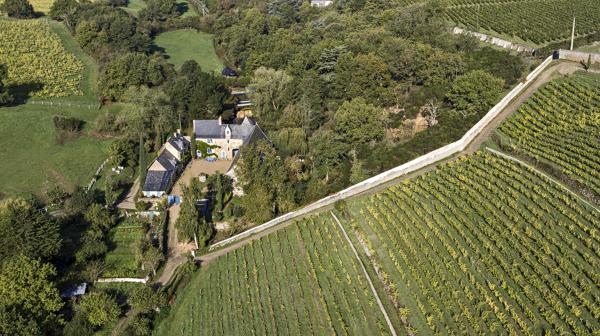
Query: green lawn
{"type": "Point", "coordinates": [134, 6]}
{"type": "Point", "coordinates": [185, 44]}
{"type": "Point", "coordinates": [30, 156]}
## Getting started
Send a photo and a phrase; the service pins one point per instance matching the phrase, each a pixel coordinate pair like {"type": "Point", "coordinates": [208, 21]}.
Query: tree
{"type": "Point", "coordinates": [267, 91]}
{"type": "Point", "coordinates": [100, 217]}
{"type": "Point", "coordinates": [20, 9]}
{"type": "Point", "coordinates": [26, 231]}
{"type": "Point", "coordinates": [219, 189]}
{"type": "Point", "coordinates": [61, 9]}
{"type": "Point", "coordinates": [144, 299]}
{"type": "Point", "coordinates": [474, 92]}
{"type": "Point", "coordinates": [152, 258]}
{"type": "Point", "coordinates": [5, 96]}
{"type": "Point", "coordinates": [158, 10]}
{"type": "Point", "coordinates": [111, 191]}
{"type": "Point", "coordinates": [132, 69]}
{"type": "Point", "coordinates": [357, 171]}
{"type": "Point", "coordinates": [364, 76]}
{"type": "Point", "coordinates": [27, 291]}
{"type": "Point", "coordinates": [358, 122]}
{"type": "Point", "coordinates": [13, 322]}
{"type": "Point", "coordinates": [431, 109]}
{"type": "Point", "coordinates": [190, 224]}
{"type": "Point", "coordinates": [100, 308]}
{"type": "Point", "coordinates": [262, 176]}
{"type": "Point", "coordinates": [79, 201]}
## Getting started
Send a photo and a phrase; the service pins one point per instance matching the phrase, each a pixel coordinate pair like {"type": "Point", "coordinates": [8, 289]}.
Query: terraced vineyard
{"type": "Point", "coordinates": [37, 61]}
{"type": "Point", "coordinates": [484, 245]}
{"type": "Point", "coordinates": [303, 280]}
{"type": "Point", "coordinates": [537, 21]}
{"type": "Point", "coordinates": [560, 125]}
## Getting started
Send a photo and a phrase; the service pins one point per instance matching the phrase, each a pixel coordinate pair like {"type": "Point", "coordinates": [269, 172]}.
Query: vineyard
{"type": "Point", "coordinates": [537, 21]}
{"type": "Point", "coordinates": [560, 125]}
{"type": "Point", "coordinates": [303, 280]}
{"type": "Point", "coordinates": [483, 245]}
{"type": "Point", "coordinates": [41, 5]}
{"type": "Point", "coordinates": [37, 60]}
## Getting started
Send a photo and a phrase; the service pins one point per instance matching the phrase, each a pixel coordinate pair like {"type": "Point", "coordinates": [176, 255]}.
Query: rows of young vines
{"type": "Point", "coordinates": [303, 280]}
{"type": "Point", "coordinates": [486, 246]}
{"type": "Point", "coordinates": [560, 125]}
{"type": "Point", "coordinates": [538, 21]}
{"type": "Point", "coordinates": [37, 61]}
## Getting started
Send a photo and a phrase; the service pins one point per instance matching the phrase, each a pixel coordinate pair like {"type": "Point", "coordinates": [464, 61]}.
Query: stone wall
{"type": "Point", "coordinates": [578, 56]}
{"type": "Point", "coordinates": [495, 41]}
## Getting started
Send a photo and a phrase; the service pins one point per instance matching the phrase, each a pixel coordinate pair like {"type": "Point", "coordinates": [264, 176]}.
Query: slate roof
{"type": "Point", "coordinates": [157, 180]}
{"type": "Point", "coordinates": [167, 160]}
{"type": "Point", "coordinates": [211, 129]}
{"type": "Point", "coordinates": [180, 143]}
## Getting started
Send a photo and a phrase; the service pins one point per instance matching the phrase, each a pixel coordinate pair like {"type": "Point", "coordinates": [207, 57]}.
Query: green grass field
{"type": "Point", "coordinates": [120, 260]}
{"type": "Point", "coordinates": [30, 158]}
{"type": "Point", "coordinates": [134, 6]}
{"type": "Point", "coordinates": [185, 44]}
{"type": "Point", "coordinates": [303, 280]}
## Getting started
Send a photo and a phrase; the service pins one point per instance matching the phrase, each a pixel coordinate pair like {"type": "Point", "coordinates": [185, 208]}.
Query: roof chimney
{"type": "Point", "coordinates": [220, 121]}
{"type": "Point", "coordinates": [177, 133]}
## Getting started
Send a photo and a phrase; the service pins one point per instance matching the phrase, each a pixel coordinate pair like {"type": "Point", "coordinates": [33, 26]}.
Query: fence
{"type": "Point", "coordinates": [495, 41]}
{"type": "Point", "coordinates": [53, 103]}
{"type": "Point", "coordinates": [98, 171]}
{"type": "Point", "coordinates": [411, 166]}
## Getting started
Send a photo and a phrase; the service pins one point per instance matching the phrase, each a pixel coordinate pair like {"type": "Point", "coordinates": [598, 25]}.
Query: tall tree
{"type": "Point", "coordinates": [27, 291]}
{"type": "Point", "coordinates": [261, 174]}
{"type": "Point", "coordinates": [190, 224]}
{"type": "Point", "coordinates": [358, 122]}
{"type": "Point", "coordinates": [475, 92]}
{"type": "Point", "coordinates": [25, 230]}
{"type": "Point", "coordinates": [20, 9]}
{"type": "Point", "coordinates": [99, 307]}
{"type": "Point", "coordinates": [268, 93]}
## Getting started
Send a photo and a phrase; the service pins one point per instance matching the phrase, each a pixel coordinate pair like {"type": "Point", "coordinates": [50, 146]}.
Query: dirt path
{"type": "Point", "coordinates": [128, 202]}
{"type": "Point", "coordinates": [554, 70]}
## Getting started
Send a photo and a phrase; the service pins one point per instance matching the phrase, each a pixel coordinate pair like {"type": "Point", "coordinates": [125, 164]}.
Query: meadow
{"type": "Point", "coordinates": [303, 280]}
{"type": "Point", "coordinates": [187, 44]}
{"type": "Point", "coordinates": [484, 245]}
{"type": "Point", "coordinates": [560, 126]}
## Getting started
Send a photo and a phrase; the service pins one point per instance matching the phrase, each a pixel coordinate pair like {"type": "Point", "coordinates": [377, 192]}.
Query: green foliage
{"type": "Point", "coordinates": [262, 176]}
{"type": "Point", "coordinates": [61, 9]}
{"type": "Point", "coordinates": [28, 294]}
{"type": "Point", "coordinates": [100, 308]}
{"type": "Point", "coordinates": [132, 69]}
{"type": "Point", "coordinates": [144, 299]}
{"type": "Point", "coordinates": [190, 224]}
{"type": "Point", "coordinates": [20, 9]}
{"type": "Point", "coordinates": [290, 141]}
{"type": "Point", "coordinates": [219, 189]}
{"type": "Point", "coordinates": [365, 76]}
{"type": "Point", "coordinates": [358, 122]}
{"type": "Point", "coordinates": [158, 10]}
{"type": "Point", "coordinates": [475, 93]}
{"type": "Point", "coordinates": [267, 92]}
{"type": "Point", "coordinates": [67, 124]}
{"type": "Point", "coordinates": [5, 96]}
{"type": "Point", "coordinates": [26, 231]}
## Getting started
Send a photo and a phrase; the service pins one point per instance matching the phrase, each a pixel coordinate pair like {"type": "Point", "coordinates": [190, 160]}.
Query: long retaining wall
{"type": "Point", "coordinates": [138, 280]}
{"type": "Point", "coordinates": [578, 56]}
{"type": "Point", "coordinates": [411, 166]}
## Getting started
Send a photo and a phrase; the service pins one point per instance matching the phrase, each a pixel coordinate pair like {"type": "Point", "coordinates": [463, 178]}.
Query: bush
{"type": "Point", "coordinates": [67, 124]}
{"type": "Point", "coordinates": [20, 9]}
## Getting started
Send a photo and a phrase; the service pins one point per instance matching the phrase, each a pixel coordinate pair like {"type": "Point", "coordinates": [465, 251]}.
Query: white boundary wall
{"type": "Point", "coordinates": [139, 280]}
{"type": "Point", "coordinates": [495, 41]}
{"type": "Point", "coordinates": [578, 56]}
{"type": "Point", "coordinates": [416, 164]}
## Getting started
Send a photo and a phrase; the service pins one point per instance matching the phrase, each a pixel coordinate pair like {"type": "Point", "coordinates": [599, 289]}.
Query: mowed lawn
{"type": "Point", "coordinates": [134, 6]}
{"type": "Point", "coordinates": [30, 156]}
{"type": "Point", "coordinates": [187, 44]}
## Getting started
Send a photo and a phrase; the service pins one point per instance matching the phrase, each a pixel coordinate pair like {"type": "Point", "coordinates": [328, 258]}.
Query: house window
{"type": "Point", "coordinates": [209, 141]}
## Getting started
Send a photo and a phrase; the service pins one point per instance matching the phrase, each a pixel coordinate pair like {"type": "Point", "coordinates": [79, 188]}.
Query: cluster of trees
{"type": "Point", "coordinates": [5, 96]}
{"type": "Point", "coordinates": [333, 86]}
{"type": "Point", "coordinates": [19, 9]}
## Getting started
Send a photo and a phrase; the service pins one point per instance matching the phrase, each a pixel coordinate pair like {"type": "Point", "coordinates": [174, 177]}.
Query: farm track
{"type": "Point", "coordinates": [554, 70]}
